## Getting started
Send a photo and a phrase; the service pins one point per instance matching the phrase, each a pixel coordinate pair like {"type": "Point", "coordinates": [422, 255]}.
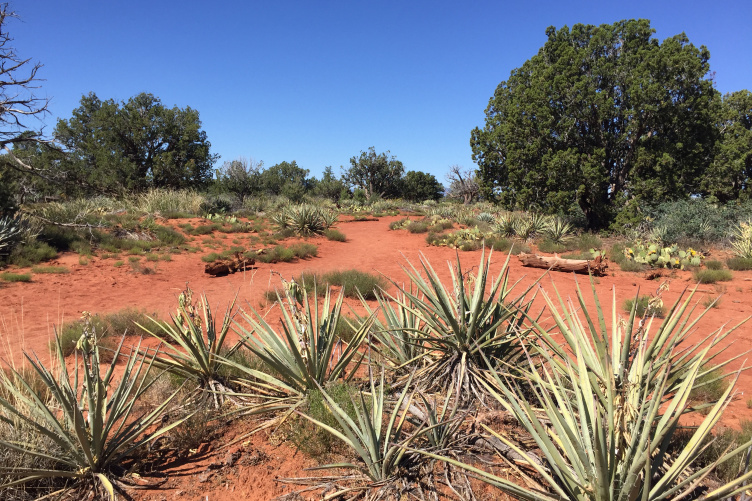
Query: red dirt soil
{"type": "Point", "coordinates": [29, 312]}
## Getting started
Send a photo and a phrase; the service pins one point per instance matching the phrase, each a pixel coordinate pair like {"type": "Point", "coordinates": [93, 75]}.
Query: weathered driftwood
{"type": "Point", "coordinates": [596, 266]}
{"type": "Point", "coordinates": [226, 266]}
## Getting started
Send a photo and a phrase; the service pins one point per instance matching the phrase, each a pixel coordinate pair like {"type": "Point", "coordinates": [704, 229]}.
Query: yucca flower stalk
{"type": "Point", "coordinates": [605, 411]}
{"type": "Point", "coordinates": [90, 418]}
{"type": "Point", "coordinates": [193, 347]}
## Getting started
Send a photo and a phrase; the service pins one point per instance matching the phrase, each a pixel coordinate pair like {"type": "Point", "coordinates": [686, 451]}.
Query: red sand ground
{"type": "Point", "coordinates": [28, 312]}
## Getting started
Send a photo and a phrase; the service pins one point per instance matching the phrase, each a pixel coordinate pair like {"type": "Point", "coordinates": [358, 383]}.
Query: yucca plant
{"type": "Point", "coordinates": [305, 219]}
{"type": "Point", "coordinates": [91, 418]}
{"type": "Point", "coordinates": [605, 414]}
{"type": "Point", "coordinates": [10, 234]}
{"type": "Point", "coordinates": [557, 230]}
{"type": "Point", "coordinates": [465, 325]}
{"type": "Point", "coordinates": [742, 240]}
{"type": "Point", "coordinates": [530, 225]}
{"type": "Point", "coordinates": [380, 446]}
{"type": "Point", "coordinates": [395, 337]}
{"type": "Point", "coordinates": [485, 217]}
{"type": "Point", "coordinates": [193, 347]}
{"type": "Point", "coordinates": [307, 353]}
{"type": "Point", "coordinates": [505, 224]}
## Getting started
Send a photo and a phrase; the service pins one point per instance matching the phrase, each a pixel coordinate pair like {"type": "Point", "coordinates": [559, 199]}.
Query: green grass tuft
{"type": "Point", "coordinates": [335, 235]}
{"type": "Point", "coordinates": [712, 276]}
{"type": "Point", "coordinates": [714, 265]}
{"type": "Point", "coordinates": [739, 264]}
{"type": "Point", "coordinates": [50, 269]}
{"type": "Point", "coordinates": [15, 277]}
{"type": "Point", "coordinates": [355, 280]}
{"type": "Point", "coordinates": [643, 307]}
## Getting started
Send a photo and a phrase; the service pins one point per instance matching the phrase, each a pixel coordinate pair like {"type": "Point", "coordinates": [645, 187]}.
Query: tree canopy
{"type": "Point", "coordinates": [418, 186]}
{"type": "Point", "coordinates": [375, 174]}
{"type": "Point", "coordinates": [602, 117]}
{"type": "Point", "coordinates": [134, 145]}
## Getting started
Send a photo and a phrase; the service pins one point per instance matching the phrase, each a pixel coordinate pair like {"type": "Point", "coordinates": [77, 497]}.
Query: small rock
{"type": "Point", "coordinates": [205, 476]}
{"type": "Point", "coordinates": [231, 458]}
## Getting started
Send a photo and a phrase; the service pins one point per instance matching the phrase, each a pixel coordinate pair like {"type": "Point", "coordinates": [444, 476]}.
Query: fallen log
{"type": "Point", "coordinates": [596, 266]}
{"type": "Point", "coordinates": [224, 267]}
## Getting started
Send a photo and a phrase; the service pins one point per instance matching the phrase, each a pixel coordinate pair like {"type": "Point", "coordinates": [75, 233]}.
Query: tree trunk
{"type": "Point", "coordinates": [595, 266]}
{"type": "Point", "coordinates": [224, 267]}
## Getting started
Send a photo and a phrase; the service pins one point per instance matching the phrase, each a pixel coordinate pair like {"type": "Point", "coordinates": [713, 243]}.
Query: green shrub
{"type": "Point", "coordinates": [151, 256]}
{"type": "Point", "coordinates": [353, 281]}
{"type": "Point", "coordinates": [643, 307]}
{"type": "Point", "coordinates": [118, 264]}
{"type": "Point", "coordinates": [519, 248]}
{"type": "Point", "coordinates": [712, 276]}
{"type": "Point", "coordinates": [168, 236]}
{"type": "Point", "coordinates": [714, 265]}
{"type": "Point", "coordinates": [110, 325]}
{"type": "Point", "coordinates": [739, 264]}
{"type": "Point", "coordinates": [399, 224]}
{"type": "Point", "coordinates": [277, 254]}
{"type": "Point", "coordinates": [417, 227]}
{"type": "Point", "coordinates": [698, 219]}
{"type": "Point", "coordinates": [50, 269]}
{"type": "Point", "coordinates": [709, 387]}
{"type": "Point", "coordinates": [550, 247]}
{"type": "Point", "coordinates": [204, 229]}
{"type": "Point", "coordinates": [632, 266]}
{"type": "Point", "coordinates": [210, 258]}
{"type": "Point", "coordinates": [15, 277]}
{"type": "Point", "coordinates": [312, 440]}
{"type": "Point", "coordinates": [499, 244]}
{"type": "Point", "coordinates": [586, 241]}
{"type": "Point", "coordinates": [335, 235]}
{"type": "Point", "coordinates": [303, 250]}
{"type": "Point", "coordinates": [35, 252]}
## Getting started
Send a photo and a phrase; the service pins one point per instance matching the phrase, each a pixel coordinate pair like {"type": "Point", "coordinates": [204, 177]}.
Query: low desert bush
{"type": "Point", "coordinates": [281, 254]}
{"type": "Point", "coordinates": [710, 386]}
{"type": "Point", "coordinates": [109, 327]}
{"type": "Point", "coordinates": [312, 440]}
{"type": "Point", "coordinates": [551, 247]}
{"type": "Point", "coordinates": [417, 227]}
{"type": "Point", "coordinates": [714, 265]}
{"type": "Point", "coordinates": [32, 253]}
{"type": "Point", "coordinates": [739, 264]}
{"type": "Point", "coordinates": [644, 308]}
{"type": "Point", "coordinates": [335, 235]}
{"type": "Point", "coordinates": [50, 269]}
{"type": "Point", "coordinates": [712, 276]}
{"type": "Point", "coordinates": [353, 281]}
{"type": "Point", "coordinates": [15, 277]}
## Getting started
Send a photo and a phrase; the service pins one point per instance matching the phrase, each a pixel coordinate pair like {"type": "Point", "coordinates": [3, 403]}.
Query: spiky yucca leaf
{"type": "Point", "coordinates": [91, 418]}
{"type": "Point", "coordinates": [305, 355]}
{"type": "Point", "coordinates": [557, 230]}
{"type": "Point", "coordinates": [395, 338]}
{"type": "Point", "coordinates": [192, 347]}
{"type": "Point", "coordinates": [464, 326]}
{"type": "Point", "coordinates": [605, 424]}
{"type": "Point", "coordinates": [381, 448]}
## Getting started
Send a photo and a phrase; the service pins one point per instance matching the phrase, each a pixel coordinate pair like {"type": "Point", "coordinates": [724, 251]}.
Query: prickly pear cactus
{"type": "Point", "coordinates": [664, 257]}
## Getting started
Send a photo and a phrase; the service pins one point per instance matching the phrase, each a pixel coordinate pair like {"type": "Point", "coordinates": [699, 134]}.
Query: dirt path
{"type": "Point", "coordinates": [29, 311]}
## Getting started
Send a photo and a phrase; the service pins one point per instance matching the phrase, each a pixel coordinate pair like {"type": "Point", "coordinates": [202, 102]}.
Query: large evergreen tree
{"type": "Point", "coordinates": [602, 118]}
{"type": "Point", "coordinates": [134, 145]}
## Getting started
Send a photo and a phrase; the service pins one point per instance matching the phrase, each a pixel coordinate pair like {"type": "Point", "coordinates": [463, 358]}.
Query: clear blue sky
{"type": "Point", "coordinates": [319, 81]}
